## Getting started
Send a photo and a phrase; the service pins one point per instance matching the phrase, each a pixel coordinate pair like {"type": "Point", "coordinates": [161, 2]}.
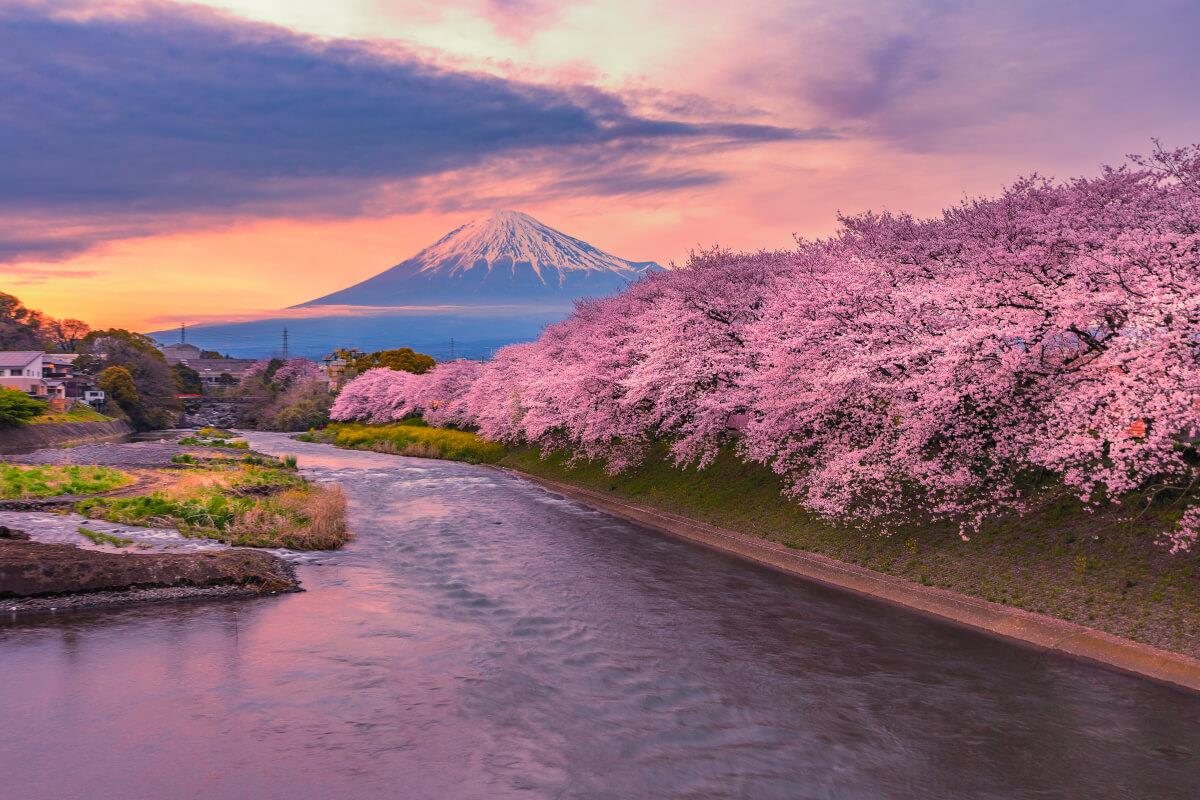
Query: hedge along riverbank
{"type": "Point", "coordinates": [1102, 570]}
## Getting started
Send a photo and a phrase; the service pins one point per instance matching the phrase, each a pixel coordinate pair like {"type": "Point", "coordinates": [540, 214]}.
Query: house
{"type": "Point", "coordinates": [220, 372]}
{"type": "Point", "coordinates": [214, 372]}
{"type": "Point", "coordinates": [22, 370]}
{"type": "Point", "coordinates": [339, 367]}
{"type": "Point", "coordinates": [59, 366]}
{"type": "Point", "coordinates": [180, 352]}
{"type": "Point", "coordinates": [21, 363]}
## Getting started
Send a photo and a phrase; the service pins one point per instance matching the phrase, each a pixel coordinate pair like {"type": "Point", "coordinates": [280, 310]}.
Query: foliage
{"type": "Point", "coordinates": [22, 328]}
{"type": "Point", "coordinates": [902, 369]}
{"type": "Point", "coordinates": [403, 359]}
{"type": "Point", "coordinates": [214, 438]}
{"type": "Point", "coordinates": [17, 408]}
{"type": "Point", "coordinates": [156, 404]}
{"type": "Point", "coordinates": [100, 537]}
{"type": "Point", "coordinates": [291, 395]}
{"type": "Point", "coordinates": [117, 385]}
{"type": "Point", "coordinates": [18, 482]}
{"type": "Point", "coordinates": [80, 412]}
{"type": "Point", "coordinates": [65, 335]}
{"type": "Point", "coordinates": [414, 440]}
{"type": "Point", "coordinates": [244, 504]}
{"type": "Point", "coordinates": [187, 380]}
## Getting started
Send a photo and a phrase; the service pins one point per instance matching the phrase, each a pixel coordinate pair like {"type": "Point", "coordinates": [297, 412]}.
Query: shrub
{"type": "Point", "coordinates": [17, 408]}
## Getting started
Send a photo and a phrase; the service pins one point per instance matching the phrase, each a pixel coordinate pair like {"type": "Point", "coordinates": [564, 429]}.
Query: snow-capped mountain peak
{"type": "Point", "coordinates": [506, 257]}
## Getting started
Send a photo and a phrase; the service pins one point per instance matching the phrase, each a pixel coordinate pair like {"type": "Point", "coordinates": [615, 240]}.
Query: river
{"type": "Point", "coordinates": [483, 638]}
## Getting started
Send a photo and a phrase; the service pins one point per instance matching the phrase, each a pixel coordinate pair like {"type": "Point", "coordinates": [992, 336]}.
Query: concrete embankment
{"type": "Point", "coordinates": [1013, 623]}
{"type": "Point", "coordinates": [61, 434]}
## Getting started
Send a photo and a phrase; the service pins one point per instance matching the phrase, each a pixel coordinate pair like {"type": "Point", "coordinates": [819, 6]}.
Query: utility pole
{"type": "Point", "coordinates": [451, 348]}
{"type": "Point", "coordinates": [285, 345]}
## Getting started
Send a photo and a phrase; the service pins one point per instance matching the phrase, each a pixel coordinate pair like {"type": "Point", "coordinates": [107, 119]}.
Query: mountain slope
{"type": "Point", "coordinates": [507, 258]}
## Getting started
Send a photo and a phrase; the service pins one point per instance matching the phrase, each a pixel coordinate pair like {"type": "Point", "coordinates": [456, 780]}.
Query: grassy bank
{"type": "Point", "coordinates": [77, 413]}
{"type": "Point", "coordinates": [1103, 570]}
{"type": "Point", "coordinates": [18, 483]}
{"type": "Point", "coordinates": [252, 502]}
{"type": "Point", "coordinates": [410, 438]}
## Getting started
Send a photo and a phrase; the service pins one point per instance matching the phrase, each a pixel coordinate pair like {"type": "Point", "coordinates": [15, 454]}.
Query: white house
{"type": "Point", "coordinates": [22, 369]}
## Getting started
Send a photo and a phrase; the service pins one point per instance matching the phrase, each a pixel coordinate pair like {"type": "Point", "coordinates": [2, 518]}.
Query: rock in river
{"type": "Point", "coordinates": [35, 575]}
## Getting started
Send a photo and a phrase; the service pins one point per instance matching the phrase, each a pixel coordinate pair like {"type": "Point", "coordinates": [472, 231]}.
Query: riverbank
{"type": "Point", "coordinates": [1103, 573]}
{"type": "Point", "coordinates": [207, 485]}
{"type": "Point", "coordinates": [61, 434]}
{"type": "Point", "coordinates": [108, 524]}
{"type": "Point", "coordinates": [36, 576]}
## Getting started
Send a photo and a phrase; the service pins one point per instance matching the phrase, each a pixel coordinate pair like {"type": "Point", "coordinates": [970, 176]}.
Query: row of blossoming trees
{"type": "Point", "coordinates": [933, 367]}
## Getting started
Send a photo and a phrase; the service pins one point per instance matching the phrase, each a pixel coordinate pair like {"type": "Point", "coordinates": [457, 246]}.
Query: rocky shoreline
{"type": "Point", "coordinates": [121, 597]}
{"type": "Point", "coordinates": [37, 576]}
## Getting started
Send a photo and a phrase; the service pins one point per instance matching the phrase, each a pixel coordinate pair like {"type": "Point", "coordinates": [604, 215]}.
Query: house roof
{"type": "Point", "coordinates": [18, 358]}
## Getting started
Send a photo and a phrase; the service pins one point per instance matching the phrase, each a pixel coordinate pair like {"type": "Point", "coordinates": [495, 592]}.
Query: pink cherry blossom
{"type": "Point", "coordinates": [934, 367]}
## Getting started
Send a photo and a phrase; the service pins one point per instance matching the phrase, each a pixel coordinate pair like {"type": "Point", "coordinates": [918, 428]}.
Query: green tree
{"type": "Point", "coordinates": [157, 405]}
{"type": "Point", "coordinates": [118, 386]}
{"type": "Point", "coordinates": [16, 407]}
{"type": "Point", "coordinates": [403, 359]}
{"type": "Point", "coordinates": [187, 379]}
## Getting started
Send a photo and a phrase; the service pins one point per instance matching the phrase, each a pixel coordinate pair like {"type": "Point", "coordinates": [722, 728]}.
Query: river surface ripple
{"type": "Point", "coordinates": [483, 638]}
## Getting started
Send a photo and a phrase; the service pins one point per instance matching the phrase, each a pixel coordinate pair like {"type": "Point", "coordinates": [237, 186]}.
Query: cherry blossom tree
{"type": "Point", "coordinates": [903, 368]}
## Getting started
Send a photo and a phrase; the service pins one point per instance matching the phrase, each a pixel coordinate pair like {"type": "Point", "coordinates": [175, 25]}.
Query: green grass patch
{"type": "Point", "coordinates": [99, 537]}
{"type": "Point", "coordinates": [196, 441]}
{"type": "Point", "coordinates": [77, 413]}
{"type": "Point", "coordinates": [25, 482]}
{"type": "Point", "coordinates": [412, 438]}
{"type": "Point", "coordinates": [244, 504]}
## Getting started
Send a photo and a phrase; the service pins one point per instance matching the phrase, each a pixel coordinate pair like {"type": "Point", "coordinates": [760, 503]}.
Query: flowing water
{"type": "Point", "coordinates": [483, 638]}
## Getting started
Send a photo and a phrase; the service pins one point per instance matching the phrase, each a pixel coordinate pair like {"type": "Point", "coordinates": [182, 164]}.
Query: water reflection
{"type": "Point", "coordinates": [483, 639]}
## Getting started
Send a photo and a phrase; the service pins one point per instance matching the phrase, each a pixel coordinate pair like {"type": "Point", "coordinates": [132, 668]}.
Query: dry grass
{"type": "Point", "coordinates": [313, 518]}
{"type": "Point", "coordinates": [244, 504]}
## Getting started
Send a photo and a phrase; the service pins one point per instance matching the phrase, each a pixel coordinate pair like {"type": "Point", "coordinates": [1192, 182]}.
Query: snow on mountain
{"type": "Point", "coordinates": [506, 258]}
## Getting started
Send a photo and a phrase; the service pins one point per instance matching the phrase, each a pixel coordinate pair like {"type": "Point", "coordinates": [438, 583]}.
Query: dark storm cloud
{"type": "Point", "coordinates": [162, 111]}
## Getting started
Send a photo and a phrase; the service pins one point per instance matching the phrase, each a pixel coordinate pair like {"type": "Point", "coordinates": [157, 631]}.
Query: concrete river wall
{"type": "Point", "coordinates": [61, 434]}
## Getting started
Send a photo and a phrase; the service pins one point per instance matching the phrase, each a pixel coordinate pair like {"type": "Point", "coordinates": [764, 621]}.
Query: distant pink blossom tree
{"type": "Point", "coordinates": [296, 371]}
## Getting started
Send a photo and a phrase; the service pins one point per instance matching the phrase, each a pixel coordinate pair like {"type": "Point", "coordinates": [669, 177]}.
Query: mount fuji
{"type": "Point", "coordinates": [507, 258]}
{"type": "Point", "coordinates": [496, 280]}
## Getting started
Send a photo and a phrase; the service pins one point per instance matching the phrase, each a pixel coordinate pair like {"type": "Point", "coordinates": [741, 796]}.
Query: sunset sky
{"type": "Point", "coordinates": [166, 162]}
